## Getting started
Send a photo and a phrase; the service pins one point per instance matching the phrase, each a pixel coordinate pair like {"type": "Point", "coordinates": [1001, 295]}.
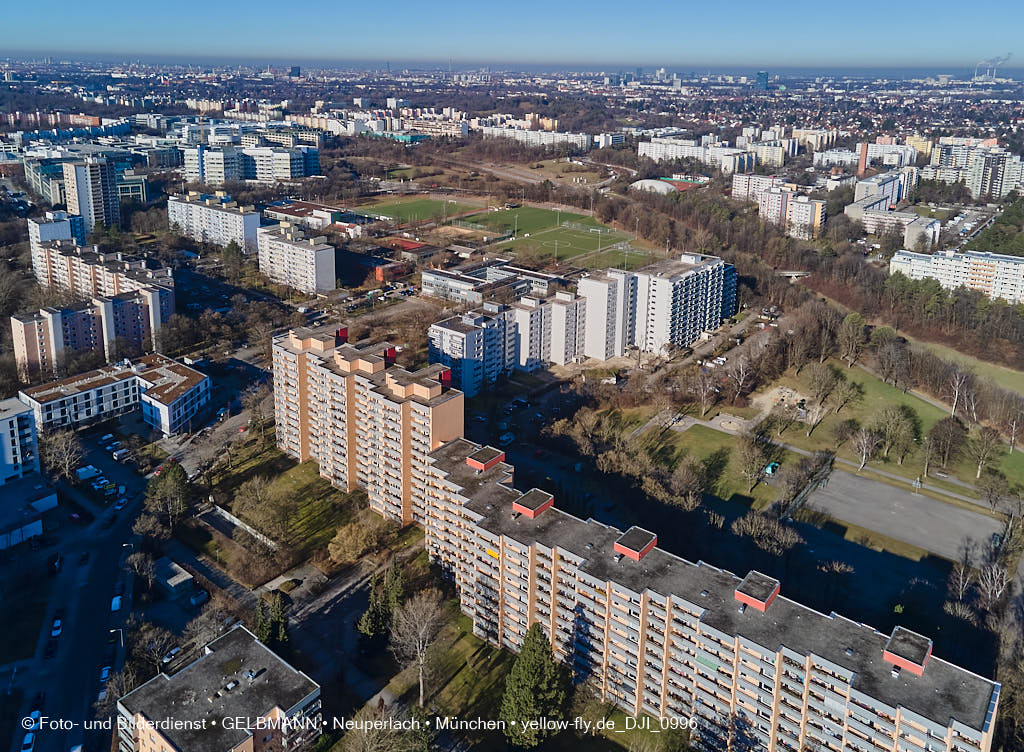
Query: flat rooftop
{"type": "Point", "coordinates": [942, 692]}
{"type": "Point", "coordinates": [11, 407]}
{"type": "Point", "coordinates": [198, 693]}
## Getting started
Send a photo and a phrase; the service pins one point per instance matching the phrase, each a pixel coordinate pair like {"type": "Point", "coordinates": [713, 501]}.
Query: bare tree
{"type": "Point", "coordinates": [993, 580]}
{"type": "Point", "coordinates": [1012, 418]}
{"type": "Point", "coordinates": [118, 685]}
{"type": "Point", "coordinates": [414, 629]}
{"type": "Point", "coordinates": [851, 337]}
{"type": "Point", "coordinates": [149, 642]}
{"type": "Point", "coordinates": [993, 486]}
{"type": "Point", "coordinates": [752, 458]}
{"type": "Point", "coordinates": [142, 565]}
{"type": "Point", "coordinates": [955, 385]}
{"type": "Point", "coordinates": [741, 375]}
{"type": "Point", "coordinates": [704, 386]}
{"type": "Point", "coordinates": [864, 442]}
{"type": "Point", "coordinates": [60, 452]}
{"type": "Point", "coordinates": [687, 483]}
{"type": "Point", "coordinates": [984, 447]}
{"type": "Point", "coordinates": [371, 734]}
{"type": "Point", "coordinates": [960, 610]}
{"type": "Point", "coordinates": [960, 579]}
{"type": "Point", "coordinates": [894, 427]}
{"type": "Point", "coordinates": [816, 413]}
{"type": "Point", "coordinates": [822, 379]}
{"type": "Point", "coordinates": [847, 393]}
{"type": "Point", "coordinates": [254, 399]}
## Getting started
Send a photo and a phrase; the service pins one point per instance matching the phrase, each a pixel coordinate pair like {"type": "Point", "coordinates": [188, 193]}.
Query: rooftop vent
{"type": "Point", "coordinates": [742, 608]}
{"type": "Point", "coordinates": [757, 590]}
{"type": "Point", "coordinates": [895, 672]}
{"type": "Point", "coordinates": [849, 651]}
{"type": "Point", "coordinates": [618, 558]}
{"type": "Point", "coordinates": [704, 593]}
{"type": "Point", "coordinates": [231, 685]}
{"type": "Point", "coordinates": [635, 543]}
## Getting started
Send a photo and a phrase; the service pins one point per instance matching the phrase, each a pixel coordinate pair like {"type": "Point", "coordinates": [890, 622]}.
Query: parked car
{"type": "Point", "coordinates": [199, 598]}
{"type": "Point", "coordinates": [106, 437]}
{"type": "Point", "coordinates": [171, 655]}
{"type": "Point", "coordinates": [505, 439]}
{"type": "Point", "coordinates": [120, 503]}
{"type": "Point", "coordinates": [115, 604]}
{"type": "Point", "coordinates": [56, 628]}
{"type": "Point", "coordinates": [104, 673]}
{"type": "Point", "coordinates": [28, 743]}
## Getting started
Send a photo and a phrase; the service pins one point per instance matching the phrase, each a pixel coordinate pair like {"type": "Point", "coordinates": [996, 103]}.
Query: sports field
{"type": "Point", "coordinates": [414, 209]}
{"type": "Point", "coordinates": [539, 231]}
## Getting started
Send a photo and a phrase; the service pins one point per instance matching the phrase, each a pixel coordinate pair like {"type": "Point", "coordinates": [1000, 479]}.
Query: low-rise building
{"type": "Point", "coordinates": [474, 282]}
{"type": "Point", "coordinates": [214, 219]}
{"type": "Point", "coordinates": [169, 393]}
{"type": "Point", "coordinates": [274, 705]}
{"type": "Point", "coordinates": [289, 258]}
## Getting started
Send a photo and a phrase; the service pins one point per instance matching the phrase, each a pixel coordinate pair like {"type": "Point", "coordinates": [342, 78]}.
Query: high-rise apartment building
{"type": "Point", "coordinates": [91, 189]}
{"type": "Point", "coordinates": [87, 272]}
{"type": "Point", "coordinates": [289, 258]}
{"type": "Point", "coordinates": [56, 225]}
{"type": "Point", "coordinates": [368, 423]}
{"type": "Point", "coordinates": [549, 330]}
{"type": "Point", "coordinates": [19, 452]}
{"type": "Point", "coordinates": [659, 635]}
{"type": "Point", "coordinates": [749, 187]}
{"type": "Point", "coordinates": [237, 678]}
{"type": "Point", "coordinates": [479, 346]}
{"type": "Point", "coordinates": [214, 219]}
{"type": "Point", "coordinates": [113, 326]}
{"type": "Point", "coordinates": [995, 274]}
{"type": "Point", "coordinates": [993, 172]}
{"type": "Point", "coordinates": [212, 166]}
{"type": "Point", "coordinates": [655, 308]}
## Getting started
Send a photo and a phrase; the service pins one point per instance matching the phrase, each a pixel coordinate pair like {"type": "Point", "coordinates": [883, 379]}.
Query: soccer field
{"type": "Point", "coordinates": [527, 219]}
{"type": "Point", "coordinates": [414, 210]}
{"type": "Point", "coordinates": [567, 241]}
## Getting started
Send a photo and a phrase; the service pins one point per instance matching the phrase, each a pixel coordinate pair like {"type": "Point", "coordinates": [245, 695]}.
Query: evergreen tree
{"type": "Point", "coordinates": [263, 627]}
{"type": "Point", "coordinates": [278, 620]}
{"type": "Point", "coordinates": [537, 687]}
{"type": "Point", "coordinates": [385, 595]}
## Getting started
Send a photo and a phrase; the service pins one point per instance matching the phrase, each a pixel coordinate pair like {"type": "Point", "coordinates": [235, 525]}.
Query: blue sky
{"type": "Point", "coordinates": [686, 34]}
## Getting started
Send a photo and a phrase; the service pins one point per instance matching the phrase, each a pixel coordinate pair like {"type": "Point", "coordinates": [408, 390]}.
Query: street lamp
{"type": "Point", "coordinates": [120, 633]}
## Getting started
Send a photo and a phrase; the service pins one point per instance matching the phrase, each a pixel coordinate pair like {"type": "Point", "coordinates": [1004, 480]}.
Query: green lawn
{"type": "Point", "coordinates": [528, 219]}
{"type": "Point", "coordinates": [1005, 377]}
{"type": "Point", "coordinates": [414, 209]}
{"type": "Point", "coordinates": [319, 510]}
{"type": "Point", "coordinates": [567, 242]}
{"type": "Point", "coordinates": [877, 396]}
{"type": "Point", "coordinates": [926, 211]}
{"type": "Point", "coordinates": [716, 450]}
{"type": "Point", "coordinates": [617, 260]}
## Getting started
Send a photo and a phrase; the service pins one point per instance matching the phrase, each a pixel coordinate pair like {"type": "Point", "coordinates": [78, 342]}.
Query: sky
{"type": "Point", "coordinates": [683, 34]}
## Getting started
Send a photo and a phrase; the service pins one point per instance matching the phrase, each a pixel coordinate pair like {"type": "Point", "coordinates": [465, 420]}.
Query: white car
{"type": "Point", "coordinates": [120, 504]}
{"type": "Point", "coordinates": [102, 695]}
{"type": "Point", "coordinates": [115, 603]}
{"type": "Point", "coordinates": [57, 628]}
{"type": "Point", "coordinates": [34, 716]}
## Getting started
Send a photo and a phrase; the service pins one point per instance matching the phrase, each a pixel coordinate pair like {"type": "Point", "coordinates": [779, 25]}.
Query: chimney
{"type": "Point", "coordinates": [862, 163]}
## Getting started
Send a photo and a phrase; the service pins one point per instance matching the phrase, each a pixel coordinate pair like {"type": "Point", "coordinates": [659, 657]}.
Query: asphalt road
{"type": "Point", "coordinates": [913, 518]}
{"type": "Point", "coordinates": [71, 678]}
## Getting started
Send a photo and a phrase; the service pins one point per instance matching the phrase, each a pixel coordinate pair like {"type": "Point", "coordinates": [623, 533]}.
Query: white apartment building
{"type": "Point", "coordinates": [727, 159]}
{"type": "Point", "coordinates": [91, 189]}
{"type": "Point", "coordinates": [891, 155]}
{"type": "Point", "coordinates": [19, 452]}
{"type": "Point", "coordinates": [887, 185]}
{"type": "Point", "coordinates": [56, 225]}
{"type": "Point", "coordinates": [289, 258]}
{"type": "Point", "coordinates": [748, 187]}
{"type": "Point", "coordinates": [214, 219]}
{"type": "Point", "coordinates": [549, 330]}
{"type": "Point", "coordinates": [801, 216]}
{"type": "Point", "coordinates": [169, 393]}
{"type": "Point", "coordinates": [267, 164]}
{"type": "Point", "coordinates": [212, 166]}
{"type": "Point", "coordinates": [666, 305]}
{"type": "Point", "coordinates": [479, 346]}
{"type": "Point", "coordinates": [995, 274]}
{"type": "Point", "coordinates": [582, 141]}
{"type": "Point", "coordinates": [993, 172]}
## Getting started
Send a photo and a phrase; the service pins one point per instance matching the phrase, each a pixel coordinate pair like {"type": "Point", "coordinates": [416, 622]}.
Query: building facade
{"type": "Point", "coordinates": [214, 219]}
{"type": "Point", "coordinates": [129, 322]}
{"type": "Point", "coordinates": [549, 330]}
{"type": "Point", "coordinates": [996, 275]}
{"type": "Point", "coordinates": [56, 225]}
{"type": "Point", "coordinates": [367, 423]}
{"type": "Point", "coordinates": [91, 192]}
{"type": "Point", "coordinates": [658, 635]}
{"type": "Point", "coordinates": [479, 347]}
{"type": "Point", "coordinates": [19, 450]}
{"type": "Point", "coordinates": [289, 258]}
{"type": "Point", "coordinates": [235, 676]}
{"type": "Point", "coordinates": [655, 309]}
{"type": "Point", "coordinates": [169, 393]}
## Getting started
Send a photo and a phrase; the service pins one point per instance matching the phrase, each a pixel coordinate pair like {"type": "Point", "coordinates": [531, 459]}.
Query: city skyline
{"type": "Point", "coordinates": [595, 34]}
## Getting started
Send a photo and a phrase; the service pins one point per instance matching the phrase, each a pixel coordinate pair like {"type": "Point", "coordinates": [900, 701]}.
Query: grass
{"type": "Point", "coordinates": [26, 600]}
{"type": "Point", "coordinates": [617, 260]}
{"type": "Point", "coordinates": [716, 450]}
{"type": "Point", "coordinates": [406, 210]}
{"type": "Point", "coordinates": [926, 211]}
{"type": "Point", "coordinates": [528, 219]}
{"type": "Point", "coordinates": [1007, 378]}
{"type": "Point", "coordinates": [570, 242]}
{"type": "Point", "coordinates": [877, 396]}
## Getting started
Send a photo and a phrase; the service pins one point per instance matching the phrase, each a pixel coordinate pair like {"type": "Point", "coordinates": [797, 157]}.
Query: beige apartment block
{"type": "Point", "coordinates": [367, 422]}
